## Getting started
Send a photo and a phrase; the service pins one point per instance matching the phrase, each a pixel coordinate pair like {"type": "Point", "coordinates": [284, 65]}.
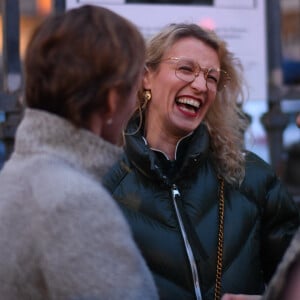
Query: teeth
{"type": "Point", "coordinates": [189, 101]}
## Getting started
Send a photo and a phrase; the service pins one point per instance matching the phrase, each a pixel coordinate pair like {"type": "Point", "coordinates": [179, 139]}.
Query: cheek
{"type": "Point", "coordinates": [211, 99]}
{"type": "Point", "coordinates": [164, 81]}
{"type": "Point", "coordinates": [166, 91]}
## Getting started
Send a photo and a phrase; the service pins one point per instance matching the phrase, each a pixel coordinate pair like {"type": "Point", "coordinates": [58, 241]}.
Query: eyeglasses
{"type": "Point", "coordinates": [187, 70]}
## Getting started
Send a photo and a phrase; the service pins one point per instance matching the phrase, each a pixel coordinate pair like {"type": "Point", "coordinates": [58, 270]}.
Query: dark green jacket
{"type": "Point", "coordinates": [259, 222]}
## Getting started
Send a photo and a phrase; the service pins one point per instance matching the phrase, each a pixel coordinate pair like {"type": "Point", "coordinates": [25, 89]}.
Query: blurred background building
{"type": "Point", "coordinates": [31, 12]}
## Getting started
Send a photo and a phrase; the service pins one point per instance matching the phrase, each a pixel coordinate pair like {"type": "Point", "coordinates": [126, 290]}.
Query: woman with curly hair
{"type": "Point", "coordinates": [209, 217]}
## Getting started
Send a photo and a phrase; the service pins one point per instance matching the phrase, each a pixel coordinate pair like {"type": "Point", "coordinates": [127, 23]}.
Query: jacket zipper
{"type": "Point", "coordinates": [188, 249]}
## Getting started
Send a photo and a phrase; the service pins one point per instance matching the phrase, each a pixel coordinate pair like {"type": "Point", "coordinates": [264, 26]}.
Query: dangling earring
{"type": "Point", "coordinates": [147, 96]}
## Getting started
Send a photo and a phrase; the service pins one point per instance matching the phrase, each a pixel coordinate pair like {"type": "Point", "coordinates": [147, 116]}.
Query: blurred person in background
{"type": "Point", "coordinates": [62, 236]}
{"type": "Point", "coordinates": [209, 217]}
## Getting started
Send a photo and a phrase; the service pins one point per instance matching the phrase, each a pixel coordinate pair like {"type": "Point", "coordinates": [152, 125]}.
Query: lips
{"type": "Point", "coordinates": [189, 104]}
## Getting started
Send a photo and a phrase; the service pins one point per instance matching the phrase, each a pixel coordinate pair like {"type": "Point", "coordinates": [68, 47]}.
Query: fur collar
{"type": "Point", "coordinates": [41, 132]}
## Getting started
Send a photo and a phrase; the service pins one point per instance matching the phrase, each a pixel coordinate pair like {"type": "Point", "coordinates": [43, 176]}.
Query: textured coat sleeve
{"type": "Point", "coordinates": [281, 222]}
{"type": "Point", "coordinates": [85, 247]}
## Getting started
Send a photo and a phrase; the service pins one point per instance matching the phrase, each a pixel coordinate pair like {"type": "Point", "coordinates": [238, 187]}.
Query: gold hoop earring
{"type": "Point", "coordinates": [147, 95]}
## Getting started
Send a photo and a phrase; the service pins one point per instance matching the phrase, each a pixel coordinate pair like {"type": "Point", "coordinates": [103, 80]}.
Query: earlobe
{"type": "Point", "coordinates": [109, 121]}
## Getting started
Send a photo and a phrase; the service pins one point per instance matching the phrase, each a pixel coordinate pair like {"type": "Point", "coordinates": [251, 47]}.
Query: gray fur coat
{"type": "Point", "coordinates": [62, 237]}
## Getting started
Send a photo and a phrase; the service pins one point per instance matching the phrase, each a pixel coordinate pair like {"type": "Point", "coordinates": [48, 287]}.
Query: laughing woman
{"type": "Point", "coordinates": [209, 217]}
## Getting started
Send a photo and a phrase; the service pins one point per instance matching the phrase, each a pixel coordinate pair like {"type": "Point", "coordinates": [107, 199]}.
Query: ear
{"type": "Point", "coordinates": [112, 103]}
{"type": "Point", "coordinates": [147, 79]}
{"type": "Point", "coordinates": [100, 118]}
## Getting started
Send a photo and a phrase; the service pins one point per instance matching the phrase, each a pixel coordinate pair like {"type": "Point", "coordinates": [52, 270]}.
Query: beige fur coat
{"type": "Point", "coordinates": [62, 236]}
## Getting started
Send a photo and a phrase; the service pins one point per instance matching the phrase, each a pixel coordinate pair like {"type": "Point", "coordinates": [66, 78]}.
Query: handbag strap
{"type": "Point", "coordinates": [220, 242]}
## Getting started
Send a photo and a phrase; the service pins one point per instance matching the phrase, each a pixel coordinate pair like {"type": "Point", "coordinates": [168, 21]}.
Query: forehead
{"type": "Point", "coordinates": [195, 49]}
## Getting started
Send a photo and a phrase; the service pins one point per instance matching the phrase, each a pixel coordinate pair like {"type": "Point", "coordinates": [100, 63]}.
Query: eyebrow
{"type": "Point", "coordinates": [192, 60]}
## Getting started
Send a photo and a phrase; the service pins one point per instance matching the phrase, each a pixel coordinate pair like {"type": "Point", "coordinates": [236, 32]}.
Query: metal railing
{"type": "Point", "coordinates": [11, 73]}
{"type": "Point", "coordinates": [11, 79]}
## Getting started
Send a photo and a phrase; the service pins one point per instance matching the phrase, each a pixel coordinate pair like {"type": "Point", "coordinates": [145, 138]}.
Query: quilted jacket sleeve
{"type": "Point", "coordinates": [279, 212]}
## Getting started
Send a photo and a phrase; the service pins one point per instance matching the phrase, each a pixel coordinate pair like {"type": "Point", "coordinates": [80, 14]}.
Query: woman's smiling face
{"type": "Point", "coordinates": [178, 107]}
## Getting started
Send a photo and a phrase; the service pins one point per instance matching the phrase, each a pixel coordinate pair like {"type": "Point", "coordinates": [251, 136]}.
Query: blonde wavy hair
{"type": "Point", "coordinates": [225, 120]}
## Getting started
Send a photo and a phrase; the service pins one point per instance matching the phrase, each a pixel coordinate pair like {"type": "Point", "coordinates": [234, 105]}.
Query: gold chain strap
{"type": "Point", "coordinates": [220, 242]}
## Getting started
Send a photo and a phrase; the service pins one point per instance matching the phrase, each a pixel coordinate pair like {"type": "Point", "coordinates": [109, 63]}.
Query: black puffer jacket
{"type": "Point", "coordinates": [259, 221]}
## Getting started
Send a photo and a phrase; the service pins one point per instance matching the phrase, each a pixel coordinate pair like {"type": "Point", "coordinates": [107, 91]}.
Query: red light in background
{"type": "Point", "coordinates": [207, 23]}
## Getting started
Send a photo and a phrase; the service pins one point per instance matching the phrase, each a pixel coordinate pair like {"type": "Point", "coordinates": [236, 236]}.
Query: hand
{"type": "Point", "coordinates": [240, 297]}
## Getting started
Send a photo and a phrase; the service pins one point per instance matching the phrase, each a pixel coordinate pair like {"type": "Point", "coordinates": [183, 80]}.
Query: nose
{"type": "Point", "coordinates": [199, 82]}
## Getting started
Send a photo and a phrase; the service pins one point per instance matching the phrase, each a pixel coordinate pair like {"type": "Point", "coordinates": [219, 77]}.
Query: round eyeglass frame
{"type": "Point", "coordinates": [224, 77]}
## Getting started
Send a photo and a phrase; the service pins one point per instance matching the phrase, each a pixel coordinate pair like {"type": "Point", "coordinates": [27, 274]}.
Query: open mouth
{"type": "Point", "coordinates": [188, 104]}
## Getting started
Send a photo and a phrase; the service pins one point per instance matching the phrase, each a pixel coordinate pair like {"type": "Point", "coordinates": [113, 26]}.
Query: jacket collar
{"type": "Point", "coordinates": [191, 152]}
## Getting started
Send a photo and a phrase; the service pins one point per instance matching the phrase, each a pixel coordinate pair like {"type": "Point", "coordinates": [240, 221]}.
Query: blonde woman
{"type": "Point", "coordinates": [209, 217]}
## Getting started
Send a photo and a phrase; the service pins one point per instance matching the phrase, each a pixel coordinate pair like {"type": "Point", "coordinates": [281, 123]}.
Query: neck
{"type": "Point", "coordinates": [164, 144]}
{"type": "Point", "coordinates": [159, 138]}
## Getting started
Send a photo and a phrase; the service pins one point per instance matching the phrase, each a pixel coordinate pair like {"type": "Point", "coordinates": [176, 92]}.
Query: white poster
{"type": "Point", "coordinates": [241, 23]}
